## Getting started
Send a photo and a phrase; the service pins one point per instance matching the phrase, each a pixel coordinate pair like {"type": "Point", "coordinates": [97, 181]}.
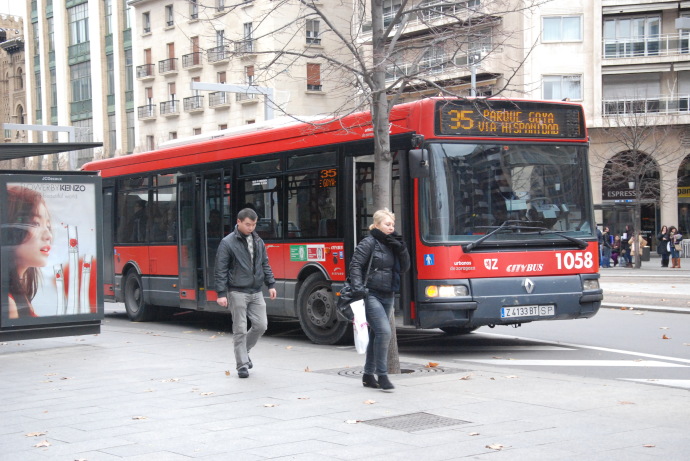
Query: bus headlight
{"type": "Point", "coordinates": [445, 291]}
{"type": "Point", "coordinates": [590, 284]}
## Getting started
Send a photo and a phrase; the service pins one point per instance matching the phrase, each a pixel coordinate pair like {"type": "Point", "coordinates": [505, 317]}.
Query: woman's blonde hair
{"type": "Point", "coordinates": [380, 215]}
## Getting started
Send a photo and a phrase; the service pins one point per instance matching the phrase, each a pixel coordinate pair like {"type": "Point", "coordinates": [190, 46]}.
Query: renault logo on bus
{"type": "Point", "coordinates": [528, 285]}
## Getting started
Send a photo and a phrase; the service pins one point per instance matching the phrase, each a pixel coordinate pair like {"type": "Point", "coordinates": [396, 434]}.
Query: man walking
{"type": "Point", "coordinates": [241, 270]}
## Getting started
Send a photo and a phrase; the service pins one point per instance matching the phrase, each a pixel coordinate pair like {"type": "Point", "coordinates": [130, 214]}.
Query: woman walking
{"type": "Point", "coordinates": [674, 246]}
{"type": "Point", "coordinates": [375, 270]}
{"type": "Point", "coordinates": [662, 245]}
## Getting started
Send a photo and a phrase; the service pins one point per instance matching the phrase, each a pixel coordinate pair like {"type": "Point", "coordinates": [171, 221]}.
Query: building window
{"type": "Point", "coordinates": [196, 131]}
{"type": "Point", "coordinates": [313, 32]}
{"type": "Point", "coordinates": [172, 135]}
{"type": "Point", "coordinates": [169, 18]}
{"type": "Point", "coordinates": [78, 17]}
{"type": "Point", "coordinates": [80, 78]}
{"type": "Point", "coordinates": [220, 5]}
{"type": "Point", "coordinates": [112, 135]}
{"type": "Point", "coordinates": [314, 77]}
{"type": "Point", "coordinates": [146, 22]}
{"type": "Point", "coordinates": [632, 36]}
{"type": "Point", "coordinates": [249, 75]}
{"type": "Point", "coordinates": [108, 16]}
{"type": "Point", "coordinates": [559, 87]}
{"type": "Point", "coordinates": [130, 131]}
{"type": "Point", "coordinates": [51, 34]}
{"type": "Point", "coordinates": [193, 9]}
{"type": "Point", "coordinates": [149, 142]}
{"type": "Point", "coordinates": [223, 126]}
{"type": "Point", "coordinates": [19, 80]}
{"type": "Point", "coordinates": [562, 29]}
{"type": "Point", "coordinates": [221, 77]}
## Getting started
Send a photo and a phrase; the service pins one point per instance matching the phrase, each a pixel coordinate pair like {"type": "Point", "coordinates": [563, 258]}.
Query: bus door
{"type": "Point", "coordinates": [188, 238]}
{"type": "Point", "coordinates": [216, 222]}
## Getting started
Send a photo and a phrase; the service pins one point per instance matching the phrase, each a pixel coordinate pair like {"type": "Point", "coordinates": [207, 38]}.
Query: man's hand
{"type": "Point", "coordinates": [273, 293]}
{"type": "Point", "coordinates": [223, 302]}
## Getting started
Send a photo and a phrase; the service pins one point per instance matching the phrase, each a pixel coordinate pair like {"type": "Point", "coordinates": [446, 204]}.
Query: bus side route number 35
{"type": "Point", "coordinates": [579, 260]}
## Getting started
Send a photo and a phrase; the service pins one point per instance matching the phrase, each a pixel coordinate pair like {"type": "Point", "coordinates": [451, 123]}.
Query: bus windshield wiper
{"type": "Point", "coordinates": [520, 226]}
{"type": "Point", "coordinates": [507, 225]}
{"type": "Point", "coordinates": [580, 243]}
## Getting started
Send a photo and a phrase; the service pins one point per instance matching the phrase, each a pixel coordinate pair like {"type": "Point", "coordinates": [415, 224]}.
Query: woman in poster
{"type": "Point", "coordinates": [31, 236]}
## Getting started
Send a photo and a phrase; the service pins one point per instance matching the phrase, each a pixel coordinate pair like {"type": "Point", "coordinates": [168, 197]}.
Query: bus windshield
{"type": "Point", "coordinates": [538, 193]}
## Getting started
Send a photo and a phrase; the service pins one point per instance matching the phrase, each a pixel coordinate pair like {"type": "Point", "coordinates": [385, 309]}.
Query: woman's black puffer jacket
{"type": "Point", "coordinates": [386, 267]}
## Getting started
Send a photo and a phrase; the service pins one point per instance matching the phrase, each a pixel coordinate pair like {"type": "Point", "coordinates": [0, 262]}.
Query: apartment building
{"type": "Point", "coordinates": [12, 86]}
{"type": "Point", "coordinates": [232, 43]}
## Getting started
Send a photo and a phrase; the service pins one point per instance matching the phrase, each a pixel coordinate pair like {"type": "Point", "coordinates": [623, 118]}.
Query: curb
{"type": "Point", "coordinates": [642, 307]}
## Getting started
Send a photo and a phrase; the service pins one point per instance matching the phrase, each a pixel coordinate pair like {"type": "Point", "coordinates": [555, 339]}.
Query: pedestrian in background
{"type": "Point", "coordinates": [626, 251]}
{"type": "Point", "coordinates": [616, 250]}
{"type": "Point", "coordinates": [606, 249]}
{"type": "Point", "coordinates": [379, 259]}
{"type": "Point", "coordinates": [662, 246]}
{"type": "Point", "coordinates": [637, 247]}
{"type": "Point", "coordinates": [241, 270]}
{"type": "Point", "coordinates": [675, 246]}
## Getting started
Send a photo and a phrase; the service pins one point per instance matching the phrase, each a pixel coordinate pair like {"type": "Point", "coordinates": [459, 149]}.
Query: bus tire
{"type": "Point", "coordinates": [137, 309]}
{"type": "Point", "coordinates": [453, 331]}
{"type": "Point", "coordinates": [316, 311]}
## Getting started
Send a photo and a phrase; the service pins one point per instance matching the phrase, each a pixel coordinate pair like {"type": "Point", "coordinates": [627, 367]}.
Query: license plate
{"type": "Point", "coordinates": [528, 311]}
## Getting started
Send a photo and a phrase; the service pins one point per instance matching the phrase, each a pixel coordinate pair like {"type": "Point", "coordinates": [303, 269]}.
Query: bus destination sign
{"type": "Point", "coordinates": [524, 119]}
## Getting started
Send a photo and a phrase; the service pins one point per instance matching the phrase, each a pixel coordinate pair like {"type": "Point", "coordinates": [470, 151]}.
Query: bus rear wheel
{"type": "Point", "coordinates": [137, 309]}
{"type": "Point", "coordinates": [458, 330]}
{"type": "Point", "coordinates": [316, 310]}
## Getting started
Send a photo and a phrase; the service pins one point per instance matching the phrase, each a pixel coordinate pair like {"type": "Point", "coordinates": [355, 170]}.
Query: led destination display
{"type": "Point", "coordinates": [509, 118]}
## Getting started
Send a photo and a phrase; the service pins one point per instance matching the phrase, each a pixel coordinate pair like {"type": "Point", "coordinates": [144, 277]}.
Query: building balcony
{"type": "Point", "coordinates": [147, 112]}
{"type": "Point", "coordinates": [642, 47]}
{"type": "Point", "coordinates": [170, 108]}
{"type": "Point", "coordinates": [218, 55]}
{"type": "Point", "coordinates": [219, 100]}
{"type": "Point", "coordinates": [193, 104]}
{"type": "Point", "coordinates": [245, 47]}
{"type": "Point", "coordinates": [145, 72]}
{"type": "Point", "coordinates": [192, 61]}
{"type": "Point", "coordinates": [167, 66]}
{"type": "Point", "coordinates": [663, 105]}
{"type": "Point", "coordinates": [246, 97]}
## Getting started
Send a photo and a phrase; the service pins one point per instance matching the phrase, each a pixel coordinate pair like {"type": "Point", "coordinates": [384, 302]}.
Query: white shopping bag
{"type": "Point", "coordinates": [361, 327]}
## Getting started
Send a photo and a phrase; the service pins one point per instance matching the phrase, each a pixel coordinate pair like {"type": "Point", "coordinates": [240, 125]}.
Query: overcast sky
{"type": "Point", "coordinates": [15, 8]}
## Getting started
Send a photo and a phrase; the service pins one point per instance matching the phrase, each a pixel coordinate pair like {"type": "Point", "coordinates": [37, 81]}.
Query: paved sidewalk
{"type": "Point", "coordinates": [651, 287]}
{"type": "Point", "coordinates": [168, 391]}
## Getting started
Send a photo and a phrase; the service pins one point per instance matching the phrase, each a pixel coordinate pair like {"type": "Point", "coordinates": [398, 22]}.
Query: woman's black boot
{"type": "Point", "coordinates": [385, 384]}
{"type": "Point", "coordinates": [369, 381]}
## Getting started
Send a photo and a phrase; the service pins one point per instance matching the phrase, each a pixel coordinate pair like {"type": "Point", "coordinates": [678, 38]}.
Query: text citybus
{"type": "Point", "coordinates": [493, 197]}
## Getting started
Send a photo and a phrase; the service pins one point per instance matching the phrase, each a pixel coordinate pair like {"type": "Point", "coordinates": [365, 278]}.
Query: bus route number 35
{"type": "Point", "coordinates": [575, 260]}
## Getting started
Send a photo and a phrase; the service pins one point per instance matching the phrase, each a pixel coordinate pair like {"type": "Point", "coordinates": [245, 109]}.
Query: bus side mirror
{"type": "Point", "coordinates": [419, 163]}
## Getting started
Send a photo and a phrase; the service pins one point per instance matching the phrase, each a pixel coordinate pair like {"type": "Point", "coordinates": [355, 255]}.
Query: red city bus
{"type": "Point", "coordinates": [492, 196]}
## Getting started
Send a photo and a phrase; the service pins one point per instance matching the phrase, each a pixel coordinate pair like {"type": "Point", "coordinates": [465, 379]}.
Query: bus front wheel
{"type": "Point", "coordinates": [137, 309]}
{"type": "Point", "coordinates": [316, 310]}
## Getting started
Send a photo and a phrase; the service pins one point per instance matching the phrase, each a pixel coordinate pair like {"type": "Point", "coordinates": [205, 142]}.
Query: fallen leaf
{"type": "Point", "coordinates": [369, 402]}
{"type": "Point", "coordinates": [307, 369]}
{"type": "Point", "coordinates": [149, 390]}
{"type": "Point", "coordinates": [302, 398]}
{"type": "Point", "coordinates": [213, 337]}
{"type": "Point", "coordinates": [686, 344]}
{"type": "Point", "coordinates": [288, 347]}
{"type": "Point", "coordinates": [497, 357]}
{"type": "Point", "coordinates": [512, 376]}
{"type": "Point", "coordinates": [663, 328]}
{"type": "Point", "coordinates": [42, 444]}
{"type": "Point", "coordinates": [353, 421]}
{"type": "Point", "coordinates": [206, 393]}
{"type": "Point", "coordinates": [495, 446]}
{"type": "Point", "coordinates": [171, 380]}
{"type": "Point", "coordinates": [139, 417]}
{"type": "Point", "coordinates": [623, 402]}
{"type": "Point", "coordinates": [473, 433]}
{"type": "Point", "coordinates": [665, 337]}
{"type": "Point", "coordinates": [227, 372]}
{"type": "Point", "coordinates": [431, 365]}
{"type": "Point", "coordinates": [649, 446]}
{"type": "Point", "coordinates": [270, 405]}
{"type": "Point", "coordinates": [624, 308]}
{"type": "Point", "coordinates": [492, 379]}
{"type": "Point", "coordinates": [34, 434]}
{"type": "Point", "coordinates": [466, 377]}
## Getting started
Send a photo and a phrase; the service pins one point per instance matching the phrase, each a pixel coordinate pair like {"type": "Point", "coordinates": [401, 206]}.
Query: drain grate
{"type": "Point", "coordinates": [415, 422]}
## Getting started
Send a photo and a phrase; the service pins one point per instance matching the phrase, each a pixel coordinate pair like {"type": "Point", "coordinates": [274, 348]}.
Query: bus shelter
{"type": "Point", "coordinates": [50, 248]}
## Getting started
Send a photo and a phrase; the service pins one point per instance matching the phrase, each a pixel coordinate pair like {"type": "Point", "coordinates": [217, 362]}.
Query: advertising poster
{"type": "Point", "coordinates": [50, 241]}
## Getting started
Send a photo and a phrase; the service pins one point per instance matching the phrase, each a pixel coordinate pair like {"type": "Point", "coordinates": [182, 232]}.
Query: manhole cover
{"type": "Point", "coordinates": [408, 369]}
{"type": "Point", "coordinates": [414, 422]}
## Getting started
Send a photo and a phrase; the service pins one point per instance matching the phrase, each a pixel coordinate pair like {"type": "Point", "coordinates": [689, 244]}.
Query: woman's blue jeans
{"type": "Point", "coordinates": [378, 307]}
